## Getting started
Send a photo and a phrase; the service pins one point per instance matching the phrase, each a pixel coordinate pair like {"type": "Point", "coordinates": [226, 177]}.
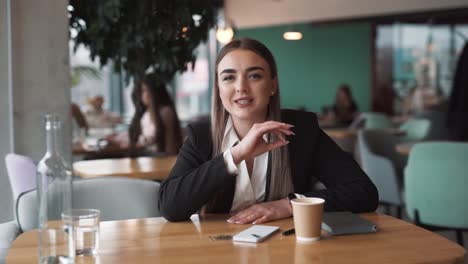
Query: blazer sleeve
{"type": "Point", "coordinates": [193, 181]}
{"type": "Point", "coordinates": [348, 188]}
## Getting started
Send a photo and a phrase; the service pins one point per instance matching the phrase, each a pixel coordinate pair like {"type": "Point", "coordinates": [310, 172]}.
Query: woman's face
{"type": "Point", "coordinates": [145, 95]}
{"type": "Point", "coordinates": [245, 85]}
{"type": "Point", "coordinates": [342, 98]}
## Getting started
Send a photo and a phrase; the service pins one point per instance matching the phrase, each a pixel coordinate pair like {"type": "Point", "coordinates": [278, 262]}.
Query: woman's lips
{"type": "Point", "coordinates": [243, 102]}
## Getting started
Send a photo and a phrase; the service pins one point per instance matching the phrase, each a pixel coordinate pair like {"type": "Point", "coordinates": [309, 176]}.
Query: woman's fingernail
{"type": "Point", "coordinates": [254, 222]}
{"type": "Point", "coordinates": [230, 221]}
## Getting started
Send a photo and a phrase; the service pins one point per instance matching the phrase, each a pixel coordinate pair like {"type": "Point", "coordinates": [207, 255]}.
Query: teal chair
{"type": "Point", "coordinates": [436, 181]}
{"type": "Point", "coordinates": [376, 120]}
{"type": "Point", "coordinates": [438, 119]}
{"type": "Point", "coordinates": [416, 129]}
{"type": "Point", "coordinates": [383, 166]}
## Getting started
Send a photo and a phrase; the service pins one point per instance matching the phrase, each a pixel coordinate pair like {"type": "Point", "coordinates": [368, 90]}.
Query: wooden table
{"type": "Point", "coordinates": [83, 149]}
{"type": "Point", "coordinates": [341, 133]}
{"type": "Point", "coordinates": [154, 240]}
{"type": "Point", "coordinates": [153, 168]}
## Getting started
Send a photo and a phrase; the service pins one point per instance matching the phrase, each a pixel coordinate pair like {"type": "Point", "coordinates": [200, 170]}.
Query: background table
{"type": "Point", "coordinates": [155, 240]}
{"type": "Point", "coordinates": [80, 149]}
{"type": "Point", "coordinates": [153, 168]}
{"type": "Point", "coordinates": [346, 133]}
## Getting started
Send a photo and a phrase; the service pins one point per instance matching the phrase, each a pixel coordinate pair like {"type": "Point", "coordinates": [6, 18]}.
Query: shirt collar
{"type": "Point", "coordinates": [230, 137]}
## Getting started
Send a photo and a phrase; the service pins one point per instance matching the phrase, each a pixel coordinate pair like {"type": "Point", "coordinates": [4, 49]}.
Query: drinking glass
{"type": "Point", "coordinates": [84, 224]}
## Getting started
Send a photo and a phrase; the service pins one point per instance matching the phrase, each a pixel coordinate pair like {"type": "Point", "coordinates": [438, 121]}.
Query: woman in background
{"type": "Point", "coordinates": [155, 124]}
{"type": "Point", "coordinates": [344, 109]}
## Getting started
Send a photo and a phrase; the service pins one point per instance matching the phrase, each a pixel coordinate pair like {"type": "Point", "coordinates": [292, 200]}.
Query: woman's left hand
{"type": "Point", "coordinates": [263, 212]}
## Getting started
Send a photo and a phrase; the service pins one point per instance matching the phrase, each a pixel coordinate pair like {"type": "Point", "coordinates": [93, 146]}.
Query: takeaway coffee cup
{"type": "Point", "coordinates": [307, 214]}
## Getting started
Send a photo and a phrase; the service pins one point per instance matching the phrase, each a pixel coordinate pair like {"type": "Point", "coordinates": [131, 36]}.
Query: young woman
{"type": "Point", "coordinates": [253, 155]}
{"type": "Point", "coordinates": [155, 124]}
{"type": "Point", "coordinates": [344, 109]}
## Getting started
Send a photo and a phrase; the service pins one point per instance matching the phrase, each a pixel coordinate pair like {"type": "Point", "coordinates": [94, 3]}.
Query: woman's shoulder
{"type": "Point", "coordinates": [199, 135]}
{"type": "Point", "coordinates": [298, 116]}
{"type": "Point", "coordinates": [166, 110]}
{"type": "Point", "coordinates": [200, 129]}
{"type": "Point", "coordinates": [305, 123]}
{"type": "Point", "coordinates": [201, 124]}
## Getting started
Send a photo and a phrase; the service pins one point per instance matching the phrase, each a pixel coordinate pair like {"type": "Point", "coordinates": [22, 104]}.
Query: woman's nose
{"type": "Point", "coordinates": [241, 85]}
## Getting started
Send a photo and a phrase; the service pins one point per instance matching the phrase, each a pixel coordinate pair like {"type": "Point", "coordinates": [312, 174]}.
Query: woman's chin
{"type": "Point", "coordinates": [248, 116]}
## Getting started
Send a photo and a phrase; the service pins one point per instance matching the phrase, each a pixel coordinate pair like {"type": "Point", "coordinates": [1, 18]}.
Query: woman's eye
{"type": "Point", "coordinates": [228, 78]}
{"type": "Point", "coordinates": [255, 76]}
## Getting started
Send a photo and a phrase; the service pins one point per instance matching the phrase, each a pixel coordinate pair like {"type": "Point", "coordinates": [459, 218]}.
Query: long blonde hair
{"type": "Point", "coordinates": [281, 182]}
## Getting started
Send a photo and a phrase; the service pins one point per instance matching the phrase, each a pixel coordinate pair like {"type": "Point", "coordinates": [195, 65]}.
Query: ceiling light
{"type": "Point", "coordinates": [224, 35]}
{"type": "Point", "coordinates": [225, 28]}
{"type": "Point", "coordinates": [292, 35]}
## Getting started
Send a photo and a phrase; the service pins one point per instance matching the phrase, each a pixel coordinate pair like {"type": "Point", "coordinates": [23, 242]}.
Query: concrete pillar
{"type": "Point", "coordinates": [34, 81]}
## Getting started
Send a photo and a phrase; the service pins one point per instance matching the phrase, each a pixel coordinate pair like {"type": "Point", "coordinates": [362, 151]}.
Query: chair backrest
{"type": "Point", "coordinates": [376, 150]}
{"type": "Point", "coordinates": [439, 129]}
{"type": "Point", "coordinates": [415, 129]}
{"type": "Point", "coordinates": [21, 172]}
{"type": "Point", "coordinates": [118, 198]}
{"type": "Point", "coordinates": [358, 122]}
{"type": "Point", "coordinates": [376, 121]}
{"type": "Point", "coordinates": [436, 180]}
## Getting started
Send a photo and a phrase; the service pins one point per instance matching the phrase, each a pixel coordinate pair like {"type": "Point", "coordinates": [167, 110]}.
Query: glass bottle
{"type": "Point", "coordinates": [54, 186]}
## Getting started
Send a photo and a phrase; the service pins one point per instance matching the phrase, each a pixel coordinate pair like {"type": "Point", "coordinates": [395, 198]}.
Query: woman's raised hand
{"type": "Point", "coordinates": [253, 145]}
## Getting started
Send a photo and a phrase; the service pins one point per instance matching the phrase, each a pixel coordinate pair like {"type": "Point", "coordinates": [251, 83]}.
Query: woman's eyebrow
{"type": "Point", "coordinates": [254, 68]}
{"type": "Point", "coordinates": [228, 71]}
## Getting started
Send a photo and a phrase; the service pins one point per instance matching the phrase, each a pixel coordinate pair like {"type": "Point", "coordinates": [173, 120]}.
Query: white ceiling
{"type": "Point", "coordinates": [258, 13]}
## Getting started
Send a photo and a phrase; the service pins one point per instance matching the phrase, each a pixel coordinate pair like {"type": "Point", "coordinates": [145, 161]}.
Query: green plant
{"type": "Point", "coordinates": [77, 72]}
{"type": "Point", "coordinates": [144, 34]}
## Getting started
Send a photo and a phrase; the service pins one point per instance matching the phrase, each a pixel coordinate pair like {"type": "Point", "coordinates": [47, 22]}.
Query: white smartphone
{"type": "Point", "coordinates": [255, 234]}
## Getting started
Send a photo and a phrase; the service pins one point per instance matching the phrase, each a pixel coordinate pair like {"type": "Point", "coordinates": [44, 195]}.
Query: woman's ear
{"type": "Point", "coordinates": [274, 88]}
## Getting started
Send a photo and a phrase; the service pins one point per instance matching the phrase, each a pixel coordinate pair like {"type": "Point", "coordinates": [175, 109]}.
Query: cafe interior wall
{"type": "Point", "coordinates": [5, 111]}
{"type": "Point", "coordinates": [34, 80]}
{"type": "Point", "coordinates": [311, 69]}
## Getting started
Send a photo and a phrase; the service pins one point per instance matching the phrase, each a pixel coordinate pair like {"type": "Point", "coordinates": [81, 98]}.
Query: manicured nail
{"type": "Point", "coordinates": [254, 222]}
{"type": "Point", "coordinates": [230, 221]}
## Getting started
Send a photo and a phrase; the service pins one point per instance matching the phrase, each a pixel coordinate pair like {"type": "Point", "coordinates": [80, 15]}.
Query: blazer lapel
{"type": "Point", "coordinates": [268, 178]}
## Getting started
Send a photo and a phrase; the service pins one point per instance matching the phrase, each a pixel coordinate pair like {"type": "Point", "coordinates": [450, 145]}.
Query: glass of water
{"type": "Point", "coordinates": [84, 224]}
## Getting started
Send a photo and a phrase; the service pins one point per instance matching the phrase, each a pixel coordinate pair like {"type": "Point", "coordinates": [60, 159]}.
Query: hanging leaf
{"type": "Point", "coordinates": [138, 35]}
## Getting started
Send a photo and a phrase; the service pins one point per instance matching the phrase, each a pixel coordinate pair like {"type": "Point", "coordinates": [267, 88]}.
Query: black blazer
{"type": "Point", "coordinates": [197, 177]}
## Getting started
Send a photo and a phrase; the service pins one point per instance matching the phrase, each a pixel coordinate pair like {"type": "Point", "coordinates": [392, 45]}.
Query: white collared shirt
{"type": "Point", "coordinates": [148, 129]}
{"type": "Point", "coordinates": [248, 190]}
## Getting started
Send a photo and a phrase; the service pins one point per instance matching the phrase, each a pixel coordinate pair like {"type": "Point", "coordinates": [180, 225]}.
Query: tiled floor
{"type": "Point", "coordinates": [447, 234]}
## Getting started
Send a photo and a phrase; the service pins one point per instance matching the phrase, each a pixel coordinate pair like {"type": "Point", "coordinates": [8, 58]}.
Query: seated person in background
{"type": "Point", "coordinates": [97, 117]}
{"type": "Point", "coordinates": [254, 155]}
{"type": "Point", "coordinates": [345, 109]}
{"type": "Point", "coordinates": [78, 119]}
{"type": "Point", "coordinates": [155, 124]}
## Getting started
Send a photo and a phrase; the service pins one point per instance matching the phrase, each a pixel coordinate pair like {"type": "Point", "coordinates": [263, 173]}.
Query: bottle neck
{"type": "Point", "coordinates": [53, 138]}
